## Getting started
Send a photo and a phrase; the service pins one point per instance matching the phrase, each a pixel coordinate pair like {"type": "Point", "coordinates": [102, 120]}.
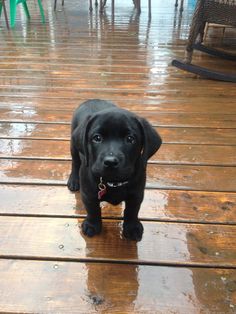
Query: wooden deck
{"type": "Point", "coordinates": [186, 261]}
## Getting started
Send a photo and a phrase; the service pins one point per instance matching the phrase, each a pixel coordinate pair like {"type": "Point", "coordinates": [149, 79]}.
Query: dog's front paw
{"type": "Point", "coordinates": [73, 183]}
{"type": "Point", "coordinates": [133, 230]}
{"type": "Point", "coordinates": [91, 228]}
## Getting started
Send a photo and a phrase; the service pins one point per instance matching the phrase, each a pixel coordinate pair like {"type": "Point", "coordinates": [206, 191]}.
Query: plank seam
{"type": "Point", "coordinates": [67, 139]}
{"type": "Point", "coordinates": [153, 162]}
{"type": "Point", "coordinates": [149, 186]}
{"type": "Point", "coordinates": [154, 220]}
{"type": "Point", "coordinates": [126, 262]}
{"type": "Point", "coordinates": [154, 124]}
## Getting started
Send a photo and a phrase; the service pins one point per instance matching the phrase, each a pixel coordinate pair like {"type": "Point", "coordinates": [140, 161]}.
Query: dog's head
{"type": "Point", "coordinates": [112, 141]}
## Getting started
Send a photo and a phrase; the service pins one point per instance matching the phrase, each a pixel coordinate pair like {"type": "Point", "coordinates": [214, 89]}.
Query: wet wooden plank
{"type": "Point", "coordinates": [171, 104]}
{"type": "Point", "coordinates": [104, 66]}
{"type": "Point", "coordinates": [80, 55]}
{"type": "Point", "coordinates": [116, 73]}
{"type": "Point", "coordinates": [161, 205]}
{"type": "Point", "coordinates": [81, 75]}
{"type": "Point", "coordinates": [42, 149]}
{"type": "Point", "coordinates": [168, 154]}
{"type": "Point", "coordinates": [196, 135]}
{"type": "Point", "coordinates": [183, 177]}
{"type": "Point", "coordinates": [157, 119]}
{"type": "Point", "coordinates": [113, 288]}
{"type": "Point", "coordinates": [162, 243]}
{"type": "Point", "coordinates": [40, 171]}
{"type": "Point", "coordinates": [196, 155]}
{"type": "Point", "coordinates": [134, 79]}
{"type": "Point", "coordinates": [35, 131]}
{"type": "Point", "coordinates": [109, 94]}
{"type": "Point", "coordinates": [75, 65]}
{"type": "Point", "coordinates": [169, 135]}
{"type": "Point", "coordinates": [192, 177]}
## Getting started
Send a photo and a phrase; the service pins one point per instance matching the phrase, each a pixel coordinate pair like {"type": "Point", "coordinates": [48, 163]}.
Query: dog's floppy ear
{"type": "Point", "coordinates": [80, 138]}
{"type": "Point", "coordinates": [151, 139]}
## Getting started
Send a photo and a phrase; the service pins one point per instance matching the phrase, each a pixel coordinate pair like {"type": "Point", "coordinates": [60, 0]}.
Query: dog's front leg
{"type": "Point", "coordinates": [73, 182]}
{"type": "Point", "coordinates": [132, 227]}
{"type": "Point", "coordinates": [92, 225]}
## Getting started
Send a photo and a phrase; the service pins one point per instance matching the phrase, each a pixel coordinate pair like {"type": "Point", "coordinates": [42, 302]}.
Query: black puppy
{"type": "Point", "coordinates": [110, 148]}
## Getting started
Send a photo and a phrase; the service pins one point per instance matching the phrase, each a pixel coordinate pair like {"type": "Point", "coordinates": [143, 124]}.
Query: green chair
{"type": "Point", "coordinates": [13, 5]}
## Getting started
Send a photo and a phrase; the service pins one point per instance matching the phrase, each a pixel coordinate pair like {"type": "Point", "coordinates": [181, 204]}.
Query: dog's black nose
{"type": "Point", "coordinates": [111, 162]}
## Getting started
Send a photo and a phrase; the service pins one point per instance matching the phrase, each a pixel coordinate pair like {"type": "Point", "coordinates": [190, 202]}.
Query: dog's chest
{"type": "Point", "coordinates": [115, 196]}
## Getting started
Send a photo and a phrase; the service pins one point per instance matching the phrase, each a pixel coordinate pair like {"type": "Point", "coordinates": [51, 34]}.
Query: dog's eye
{"type": "Point", "coordinates": [130, 139]}
{"type": "Point", "coordinates": [97, 138]}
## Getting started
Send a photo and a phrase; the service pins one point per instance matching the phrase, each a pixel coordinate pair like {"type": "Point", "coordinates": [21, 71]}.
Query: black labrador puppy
{"type": "Point", "coordinates": [110, 148]}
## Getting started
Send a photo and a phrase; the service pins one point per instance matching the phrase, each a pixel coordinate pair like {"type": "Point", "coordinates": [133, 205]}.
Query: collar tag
{"type": "Point", "coordinates": [102, 189]}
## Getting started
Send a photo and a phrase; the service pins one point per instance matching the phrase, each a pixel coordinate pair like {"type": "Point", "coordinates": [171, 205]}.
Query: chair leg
{"type": "Point", "coordinates": [149, 8]}
{"type": "Point", "coordinates": [3, 6]}
{"type": "Point", "coordinates": [54, 8]}
{"type": "Point", "coordinates": [26, 9]}
{"type": "Point", "coordinates": [13, 6]}
{"type": "Point", "coordinates": [5, 14]}
{"type": "Point", "coordinates": [102, 4]}
{"type": "Point", "coordinates": [195, 32]}
{"type": "Point", "coordinates": [12, 13]}
{"type": "Point", "coordinates": [196, 29]}
{"type": "Point", "coordinates": [138, 6]}
{"type": "Point", "coordinates": [90, 5]}
{"type": "Point", "coordinates": [41, 11]}
{"type": "Point", "coordinates": [55, 5]}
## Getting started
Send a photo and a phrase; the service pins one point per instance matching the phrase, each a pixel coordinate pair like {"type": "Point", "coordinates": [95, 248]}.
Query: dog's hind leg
{"type": "Point", "coordinates": [73, 181]}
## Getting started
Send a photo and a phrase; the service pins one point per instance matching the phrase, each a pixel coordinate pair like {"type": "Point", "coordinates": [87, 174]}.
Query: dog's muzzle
{"type": "Point", "coordinates": [111, 162]}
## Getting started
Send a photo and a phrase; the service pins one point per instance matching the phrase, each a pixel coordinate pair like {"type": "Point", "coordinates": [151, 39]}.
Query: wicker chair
{"type": "Point", "coordinates": [208, 11]}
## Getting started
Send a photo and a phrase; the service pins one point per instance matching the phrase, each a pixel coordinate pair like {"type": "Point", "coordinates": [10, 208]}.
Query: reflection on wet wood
{"type": "Point", "coordinates": [188, 211]}
{"type": "Point", "coordinates": [108, 288]}
{"type": "Point", "coordinates": [162, 243]}
{"type": "Point", "coordinates": [161, 104]}
{"type": "Point", "coordinates": [201, 136]}
{"type": "Point", "coordinates": [213, 120]}
{"type": "Point", "coordinates": [35, 131]}
{"type": "Point", "coordinates": [133, 87]}
{"type": "Point", "coordinates": [192, 177]}
{"type": "Point", "coordinates": [168, 154]}
{"type": "Point", "coordinates": [161, 205]}
{"type": "Point", "coordinates": [184, 177]}
{"type": "Point", "coordinates": [212, 136]}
